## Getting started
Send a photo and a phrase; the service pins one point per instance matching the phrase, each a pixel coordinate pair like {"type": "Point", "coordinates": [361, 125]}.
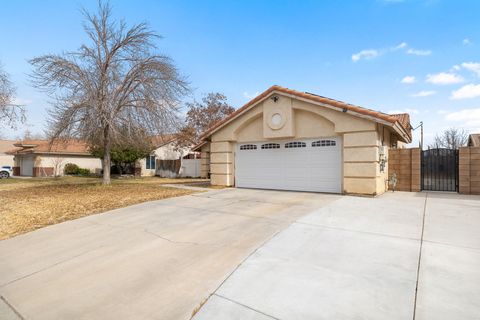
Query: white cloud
{"type": "Point", "coordinates": [466, 92]}
{"type": "Point", "coordinates": [373, 53]}
{"type": "Point", "coordinates": [424, 93]}
{"type": "Point", "coordinates": [407, 110]}
{"type": "Point", "coordinates": [400, 46]}
{"type": "Point", "coordinates": [365, 54]}
{"type": "Point", "coordinates": [466, 42]}
{"type": "Point", "coordinates": [419, 52]}
{"type": "Point", "coordinates": [456, 67]}
{"type": "Point", "coordinates": [444, 78]}
{"type": "Point", "coordinates": [250, 96]}
{"type": "Point", "coordinates": [467, 118]}
{"type": "Point", "coordinates": [409, 80]}
{"type": "Point", "coordinates": [472, 66]}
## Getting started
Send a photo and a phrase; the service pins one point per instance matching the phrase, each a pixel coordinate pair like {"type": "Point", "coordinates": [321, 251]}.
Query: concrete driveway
{"type": "Point", "coordinates": [257, 255]}
{"type": "Point", "coordinates": [398, 256]}
{"type": "Point", "coordinates": [157, 260]}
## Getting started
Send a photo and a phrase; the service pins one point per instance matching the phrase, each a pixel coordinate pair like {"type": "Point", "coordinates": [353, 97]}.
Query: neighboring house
{"type": "Point", "coordinates": [6, 159]}
{"type": "Point", "coordinates": [170, 160]}
{"type": "Point", "coordinates": [39, 158]}
{"type": "Point", "coordinates": [474, 140]}
{"type": "Point", "coordinates": [290, 140]}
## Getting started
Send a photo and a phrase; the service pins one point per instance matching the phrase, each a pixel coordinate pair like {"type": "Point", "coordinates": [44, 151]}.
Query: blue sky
{"type": "Point", "coordinates": [417, 56]}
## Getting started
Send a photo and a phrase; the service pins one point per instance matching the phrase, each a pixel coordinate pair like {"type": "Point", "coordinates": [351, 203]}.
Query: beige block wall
{"type": "Point", "coordinates": [469, 170]}
{"type": "Point", "coordinates": [405, 163]}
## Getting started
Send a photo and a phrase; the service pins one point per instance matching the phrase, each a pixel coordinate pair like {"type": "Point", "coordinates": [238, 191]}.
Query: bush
{"type": "Point", "coordinates": [71, 168]}
{"type": "Point", "coordinates": [83, 172]}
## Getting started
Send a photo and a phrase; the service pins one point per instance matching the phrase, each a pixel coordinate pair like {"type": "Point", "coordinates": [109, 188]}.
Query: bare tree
{"type": "Point", "coordinates": [10, 113]}
{"type": "Point", "coordinates": [452, 138]}
{"type": "Point", "coordinates": [115, 89]}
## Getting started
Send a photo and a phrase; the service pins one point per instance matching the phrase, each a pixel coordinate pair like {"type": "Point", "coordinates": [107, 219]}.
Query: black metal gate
{"type": "Point", "coordinates": [440, 169]}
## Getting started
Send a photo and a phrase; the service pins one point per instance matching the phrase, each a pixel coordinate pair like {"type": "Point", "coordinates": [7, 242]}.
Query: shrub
{"type": "Point", "coordinates": [83, 172]}
{"type": "Point", "coordinates": [70, 168]}
{"type": "Point", "coordinates": [73, 169]}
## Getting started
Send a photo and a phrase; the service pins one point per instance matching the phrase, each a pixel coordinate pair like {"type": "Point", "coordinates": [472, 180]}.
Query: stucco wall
{"type": "Point", "coordinates": [205, 161]}
{"type": "Point", "coordinates": [58, 162]}
{"type": "Point", "coordinates": [362, 140]}
{"type": "Point", "coordinates": [6, 160]}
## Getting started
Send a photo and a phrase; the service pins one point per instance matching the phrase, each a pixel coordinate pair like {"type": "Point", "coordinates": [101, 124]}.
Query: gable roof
{"type": "Point", "coordinates": [68, 147]}
{"type": "Point", "coordinates": [400, 122]}
{"type": "Point", "coordinates": [474, 140]}
{"type": "Point", "coordinates": [6, 145]}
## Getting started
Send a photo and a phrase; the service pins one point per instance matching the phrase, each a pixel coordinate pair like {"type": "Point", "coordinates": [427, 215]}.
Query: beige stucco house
{"type": "Point", "coordinates": [39, 158]}
{"type": "Point", "coordinates": [170, 160]}
{"type": "Point", "coordinates": [290, 140]}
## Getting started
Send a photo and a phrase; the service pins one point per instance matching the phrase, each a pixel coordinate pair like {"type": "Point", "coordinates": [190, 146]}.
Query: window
{"type": "Point", "coordinates": [150, 163]}
{"type": "Point", "coordinates": [324, 143]}
{"type": "Point", "coordinates": [270, 146]}
{"type": "Point", "coordinates": [295, 144]}
{"type": "Point", "coordinates": [248, 147]}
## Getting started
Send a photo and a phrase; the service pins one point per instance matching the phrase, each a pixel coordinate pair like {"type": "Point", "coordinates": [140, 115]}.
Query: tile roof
{"type": "Point", "coordinates": [6, 145]}
{"type": "Point", "coordinates": [343, 106]}
{"type": "Point", "coordinates": [404, 120]}
{"type": "Point", "coordinates": [45, 146]}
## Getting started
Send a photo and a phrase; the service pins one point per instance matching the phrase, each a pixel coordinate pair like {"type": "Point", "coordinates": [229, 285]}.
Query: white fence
{"type": "Point", "coordinates": [190, 168]}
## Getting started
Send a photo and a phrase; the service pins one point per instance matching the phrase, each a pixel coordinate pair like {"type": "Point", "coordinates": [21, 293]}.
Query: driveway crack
{"type": "Point", "coordinates": [49, 267]}
{"type": "Point", "coordinates": [170, 240]}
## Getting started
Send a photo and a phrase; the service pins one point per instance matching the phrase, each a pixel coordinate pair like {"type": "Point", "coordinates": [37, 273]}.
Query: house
{"type": "Point", "coordinates": [474, 140]}
{"type": "Point", "coordinates": [290, 140]}
{"type": "Point", "coordinates": [170, 160]}
{"type": "Point", "coordinates": [39, 158]}
{"type": "Point", "coordinates": [6, 159]}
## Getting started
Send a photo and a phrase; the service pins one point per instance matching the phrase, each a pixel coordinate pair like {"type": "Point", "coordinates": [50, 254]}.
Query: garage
{"type": "Point", "coordinates": [26, 167]}
{"type": "Point", "coordinates": [285, 139]}
{"type": "Point", "coordinates": [300, 165]}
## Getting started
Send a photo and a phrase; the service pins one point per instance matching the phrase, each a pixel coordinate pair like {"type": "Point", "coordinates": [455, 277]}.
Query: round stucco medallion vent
{"type": "Point", "coordinates": [276, 120]}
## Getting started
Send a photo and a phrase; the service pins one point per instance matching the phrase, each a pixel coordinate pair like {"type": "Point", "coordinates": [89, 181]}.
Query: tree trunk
{"type": "Point", "coordinates": [107, 163]}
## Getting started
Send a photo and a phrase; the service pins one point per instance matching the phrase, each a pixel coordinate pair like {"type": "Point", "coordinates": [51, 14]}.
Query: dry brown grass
{"type": "Point", "coordinates": [29, 204]}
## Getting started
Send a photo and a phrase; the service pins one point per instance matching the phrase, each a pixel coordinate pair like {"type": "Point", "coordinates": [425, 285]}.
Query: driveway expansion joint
{"type": "Point", "coordinates": [11, 307]}
{"type": "Point", "coordinates": [245, 306]}
{"type": "Point", "coordinates": [420, 256]}
{"type": "Point", "coordinates": [357, 231]}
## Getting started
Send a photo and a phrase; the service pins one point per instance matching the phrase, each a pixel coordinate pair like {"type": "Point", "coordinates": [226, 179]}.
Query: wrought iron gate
{"type": "Point", "coordinates": [440, 169]}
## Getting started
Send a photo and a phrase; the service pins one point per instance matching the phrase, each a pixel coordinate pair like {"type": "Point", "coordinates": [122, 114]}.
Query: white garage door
{"type": "Point", "coordinates": [302, 165]}
{"type": "Point", "coordinates": [26, 166]}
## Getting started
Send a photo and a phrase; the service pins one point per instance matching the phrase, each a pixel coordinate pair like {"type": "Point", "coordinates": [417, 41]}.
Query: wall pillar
{"type": "Point", "coordinates": [406, 164]}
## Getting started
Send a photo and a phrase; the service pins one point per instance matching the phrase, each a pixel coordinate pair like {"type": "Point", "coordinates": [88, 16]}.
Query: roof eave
{"type": "Point", "coordinates": [272, 90]}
